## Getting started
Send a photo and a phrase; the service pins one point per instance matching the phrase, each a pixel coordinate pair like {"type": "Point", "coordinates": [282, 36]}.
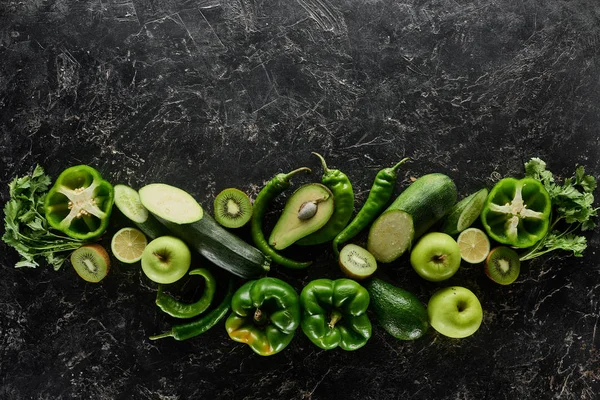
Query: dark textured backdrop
{"type": "Point", "coordinates": [210, 94]}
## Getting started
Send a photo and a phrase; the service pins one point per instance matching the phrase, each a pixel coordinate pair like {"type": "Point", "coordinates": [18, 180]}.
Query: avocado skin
{"type": "Point", "coordinates": [398, 311]}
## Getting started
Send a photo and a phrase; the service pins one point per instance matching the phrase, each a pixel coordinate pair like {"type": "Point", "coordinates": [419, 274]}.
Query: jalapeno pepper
{"type": "Point", "coordinates": [199, 326]}
{"type": "Point", "coordinates": [178, 309]}
{"type": "Point", "coordinates": [517, 212]}
{"type": "Point", "coordinates": [335, 314]}
{"type": "Point", "coordinates": [379, 195]}
{"type": "Point", "coordinates": [272, 189]}
{"type": "Point", "coordinates": [343, 195]}
{"type": "Point", "coordinates": [80, 202]}
{"type": "Point", "coordinates": [265, 315]}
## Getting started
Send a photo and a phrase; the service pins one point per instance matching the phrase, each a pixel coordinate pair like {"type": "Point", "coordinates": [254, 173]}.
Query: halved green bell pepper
{"type": "Point", "coordinates": [265, 315]}
{"type": "Point", "coordinates": [80, 203]}
{"type": "Point", "coordinates": [517, 212]}
{"type": "Point", "coordinates": [335, 314]}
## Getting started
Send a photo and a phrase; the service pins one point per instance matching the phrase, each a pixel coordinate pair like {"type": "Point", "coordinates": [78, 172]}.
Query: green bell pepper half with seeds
{"type": "Point", "coordinates": [517, 212]}
{"type": "Point", "coordinates": [265, 315]}
{"type": "Point", "coordinates": [335, 314]}
{"type": "Point", "coordinates": [80, 203]}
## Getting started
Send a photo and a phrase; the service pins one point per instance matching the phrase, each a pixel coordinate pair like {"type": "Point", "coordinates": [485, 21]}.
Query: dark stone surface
{"type": "Point", "coordinates": [211, 94]}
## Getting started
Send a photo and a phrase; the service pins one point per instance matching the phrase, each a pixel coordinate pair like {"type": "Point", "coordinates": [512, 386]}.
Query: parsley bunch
{"type": "Point", "coordinates": [572, 207]}
{"type": "Point", "coordinates": [27, 229]}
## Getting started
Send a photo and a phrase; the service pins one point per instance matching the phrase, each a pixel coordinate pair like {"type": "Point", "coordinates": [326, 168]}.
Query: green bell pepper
{"type": "Point", "coordinates": [265, 315]}
{"type": "Point", "coordinates": [80, 202]}
{"type": "Point", "coordinates": [335, 314]}
{"type": "Point", "coordinates": [517, 212]}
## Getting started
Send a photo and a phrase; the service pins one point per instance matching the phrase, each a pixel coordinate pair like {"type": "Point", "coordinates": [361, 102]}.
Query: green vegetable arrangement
{"type": "Point", "coordinates": [527, 217]}
{"type": "Point", "coordinates": [28, 230]}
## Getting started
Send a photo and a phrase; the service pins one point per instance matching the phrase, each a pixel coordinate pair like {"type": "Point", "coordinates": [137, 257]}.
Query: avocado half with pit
{"type": "Point", "coordinates": [306, 211]}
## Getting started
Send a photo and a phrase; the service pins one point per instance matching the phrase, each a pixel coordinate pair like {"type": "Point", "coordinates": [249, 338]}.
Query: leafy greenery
{"type": "Point", "coordinates": [573, 208]}
{"type": "Point", "coordinates": [26, 227]}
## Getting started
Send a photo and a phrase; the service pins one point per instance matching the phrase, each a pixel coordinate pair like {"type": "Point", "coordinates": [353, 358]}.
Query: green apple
{"type": "Point", "coordinates": [455, 312]}
{"type": "Point", "coordinates": [435, 257]}
{"type": "Point", "coordinates": [166, 259]}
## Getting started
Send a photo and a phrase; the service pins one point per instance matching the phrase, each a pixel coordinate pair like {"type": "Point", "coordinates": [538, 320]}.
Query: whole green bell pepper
{"type": "Point", "coordinates": [80, 202]}
{"type": "Point", "coordinates": [335, 314]}
{"type": "Point", "coordinates": [517, 212]}
{"type": "Point", "coordinates": [265, 315]}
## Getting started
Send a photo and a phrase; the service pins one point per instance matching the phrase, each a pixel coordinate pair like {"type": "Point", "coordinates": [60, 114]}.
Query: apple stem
{"type": "Point", "coordinates": [440, 258]}
{"type": "Point", "coordinates": [161, 258]}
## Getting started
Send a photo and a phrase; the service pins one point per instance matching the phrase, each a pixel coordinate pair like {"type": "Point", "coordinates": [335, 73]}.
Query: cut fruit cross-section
{"type": "Point", "coordinates": [474, 245]}
{"type": "Point", "coordinates": [128, 244]}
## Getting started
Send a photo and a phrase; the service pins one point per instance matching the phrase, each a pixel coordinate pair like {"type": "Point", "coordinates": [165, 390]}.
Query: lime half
{"type": "Point", "coordinates": [474, 245]}
{"type": "Point", "coordinates": [128, 244]}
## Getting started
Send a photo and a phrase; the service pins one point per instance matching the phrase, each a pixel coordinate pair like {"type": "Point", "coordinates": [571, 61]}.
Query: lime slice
{"type": "Point", "coordinates": [465, 212]}
{"type": "Point", "coordinates": [128, 244]}
{"type": "Point", "coordinates": [474, 245]}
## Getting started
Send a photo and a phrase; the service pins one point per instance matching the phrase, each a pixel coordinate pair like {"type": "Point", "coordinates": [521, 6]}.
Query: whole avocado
{"type": "Point", "coordinates": [398, 311]}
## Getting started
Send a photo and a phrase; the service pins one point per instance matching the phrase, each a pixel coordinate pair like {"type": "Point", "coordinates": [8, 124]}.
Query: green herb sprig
{"type": "Point", "coordinates": [572, 204]}
{"type": "Point", "coordinates": [26, 227]}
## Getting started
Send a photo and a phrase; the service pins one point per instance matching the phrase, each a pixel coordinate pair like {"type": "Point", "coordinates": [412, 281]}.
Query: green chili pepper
{"type": "Point", "coordinates": [335, 314]}
{"type": "Point", "coordinates": [272, 189]}
{"type": "Point", "coordinates": [265, 315]}
{"type": "Point", "coordinates": [379, 195]}
{"type": "Point", "coordinates": [178, 309]}
{"type": "Point", "coordinates": [194, 328]}
{"type": "Point", "coordinates": [517, 212]}
{"type": "Point", "coordinates": [343, 195]}
{"type": "Point", "coordinates": [80, 202]}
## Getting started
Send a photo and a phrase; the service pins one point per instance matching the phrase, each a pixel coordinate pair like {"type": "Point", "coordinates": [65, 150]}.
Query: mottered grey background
{"type": "Point", "coordinates": [211, 94]}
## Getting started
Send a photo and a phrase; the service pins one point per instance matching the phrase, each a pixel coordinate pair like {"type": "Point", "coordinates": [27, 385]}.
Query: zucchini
{"type": "Point", "coordinates": [398, 311]}
{"type": "Point", "coordinates": [128, 202]}
{"type": "Point", "coordinates": [413, 212]}
{"type": "Point", "coordinates": [184, 217]}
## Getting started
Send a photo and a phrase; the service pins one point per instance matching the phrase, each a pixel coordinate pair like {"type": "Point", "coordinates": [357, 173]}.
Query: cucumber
{"type": "Point", "coordinates": [128, 202]}
{"type": "Point", "coordinates": [464, 213]}
{"type": "Point", "coordinates": [398, 311]}
{"type": "Point", "coordinates": [184, 217]}
{"type": "Point", "coordinates": [413, 212]}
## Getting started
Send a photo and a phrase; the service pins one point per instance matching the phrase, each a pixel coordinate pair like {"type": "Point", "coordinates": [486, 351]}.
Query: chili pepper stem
{"type": "Point", "coordinates": [336, 316]}
{"type": "Point", "coordinates": [162, 335]}
{"type": "Point", "coordinates": [395, 167]}
{"type": "Point", "coordinates": [323, 163]}
{"type": "Point", "coordinates": [290, 174]}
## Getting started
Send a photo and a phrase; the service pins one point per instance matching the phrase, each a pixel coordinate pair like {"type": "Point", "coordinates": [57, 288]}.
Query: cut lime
{"type": "Point", "coordinates": [474, 245]}
{"type": "Point", "coordinates": [465, 212]}
{"type": "Point", "coordinates": [128, 244]}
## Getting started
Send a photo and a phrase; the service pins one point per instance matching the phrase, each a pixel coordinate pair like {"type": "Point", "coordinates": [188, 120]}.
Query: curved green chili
{"type": "Point", "coordinates": [272, 189]}
{"type": "Point", "coordinates": [178, 309]}
{"type": "Point", "coordinates": [379, 195]}
{"type": "Point", "coordinates": [203, 324]}
{"type": "Point", "coordinates": [343, 196]}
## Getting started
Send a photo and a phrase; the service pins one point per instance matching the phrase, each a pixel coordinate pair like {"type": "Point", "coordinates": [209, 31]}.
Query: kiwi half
{"type": "Point", "coordinates": [232, 208]}
{"type": "Point", "coordinates": [503, 265]}
{"type": "Point", "coordinates": [91, 262]}
{"type": "Point", "coordinates": [356, 262]}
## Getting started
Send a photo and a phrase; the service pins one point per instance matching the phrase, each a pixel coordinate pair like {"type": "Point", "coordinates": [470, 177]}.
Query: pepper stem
{"type": "Point", "coordinates": [323, 163]}
{"type": "Point", "coordinates": [395, 167]}
{"type": "Point", "coordinates": [260, 317]}
{"type": "Point", "coordinates": [289, 175]}
{"type": "Point", "coordinates": [335, 317]}
{"type": "Point", "coordinates": [162, 335]}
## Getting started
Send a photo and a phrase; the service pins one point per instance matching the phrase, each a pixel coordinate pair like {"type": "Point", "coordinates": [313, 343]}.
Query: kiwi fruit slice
{"type": "Point", "coordinates": [503, 265]}
{"type": "Point", "coordinates": [356, 262]}
{"type": "Point", "coordinates": [91, 262]}
{"type": "Point", "coordinates": [233, 208]}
